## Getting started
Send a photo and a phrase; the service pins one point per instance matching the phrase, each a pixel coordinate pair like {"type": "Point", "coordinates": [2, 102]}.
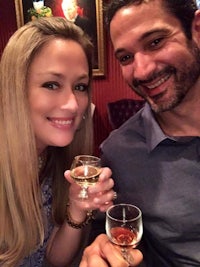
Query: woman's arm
{"type": "Point", "coordinates": [65, 240]}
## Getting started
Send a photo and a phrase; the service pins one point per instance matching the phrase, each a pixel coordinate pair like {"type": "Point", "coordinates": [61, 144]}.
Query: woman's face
{"type": "Point", "coordinates": [58, 92]}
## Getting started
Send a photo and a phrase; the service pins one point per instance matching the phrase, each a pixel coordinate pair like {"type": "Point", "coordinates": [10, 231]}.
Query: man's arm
{"type": "Point", "coordinates": [103, 253]}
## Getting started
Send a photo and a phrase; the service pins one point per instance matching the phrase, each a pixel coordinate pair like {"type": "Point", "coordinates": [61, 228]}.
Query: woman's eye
{"type": "Point", "coordinates": [81, 87]}
{"type": "Point", "coordinates": [51, 85]}
{"type": "Point", "coordinates": [125, 59]}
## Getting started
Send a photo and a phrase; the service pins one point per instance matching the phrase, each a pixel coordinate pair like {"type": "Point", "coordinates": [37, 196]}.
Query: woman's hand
{"type": "Point", "coordinates": [78, 214]}
{"type": "Point", "coordinates": [103, 252]}
{"type": "Point", "coordinates": [100, 195]}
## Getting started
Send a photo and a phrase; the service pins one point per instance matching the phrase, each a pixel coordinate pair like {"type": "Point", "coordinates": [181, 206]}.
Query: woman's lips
{"type": "Point", "coordinates": [60, 123]}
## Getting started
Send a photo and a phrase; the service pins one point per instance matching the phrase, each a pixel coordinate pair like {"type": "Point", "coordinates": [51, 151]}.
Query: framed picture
{"type": "Point", "coordinates": [89, 17]}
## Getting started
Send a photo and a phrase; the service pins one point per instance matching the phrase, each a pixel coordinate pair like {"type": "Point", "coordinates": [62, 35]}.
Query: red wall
{"type": "Point", "coordinates": [106, 89]}
{"type": "Point", "coordinates": [7, 21]}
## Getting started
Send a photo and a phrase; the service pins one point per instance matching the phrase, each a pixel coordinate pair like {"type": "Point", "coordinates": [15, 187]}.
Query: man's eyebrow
{"type": "Point", "coordinates": [144, 36]}
{"type": "Point", "coordinates": [154, 31]}
{"type": "Point", "coordinates": [119, 51]}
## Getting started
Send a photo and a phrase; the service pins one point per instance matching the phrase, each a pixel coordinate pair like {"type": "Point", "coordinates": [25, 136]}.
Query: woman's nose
{"type": "Point", "coordinates": [69, 101]}
{"type": "Point", "coordinates": [143, 66]}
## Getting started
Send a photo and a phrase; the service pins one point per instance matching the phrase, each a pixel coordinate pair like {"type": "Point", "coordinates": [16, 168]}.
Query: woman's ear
{"type": "Point", "coordinates": [196, 27]}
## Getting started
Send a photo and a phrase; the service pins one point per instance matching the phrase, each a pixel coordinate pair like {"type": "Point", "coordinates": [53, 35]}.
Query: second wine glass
{"type": "Point", "coordinates": [124, 226]}
{"type": "Point", "coordinates": [85, 170]}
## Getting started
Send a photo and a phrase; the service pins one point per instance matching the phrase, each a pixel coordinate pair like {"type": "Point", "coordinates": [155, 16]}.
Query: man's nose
{"type": "Point", "coordinates": [143, 66]}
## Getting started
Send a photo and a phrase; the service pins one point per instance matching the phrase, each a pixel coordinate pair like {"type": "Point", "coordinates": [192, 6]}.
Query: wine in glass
{"type": "Point", "coordinates": [85, 170]}
{"type": "Point", "coordinates": [124, 227]}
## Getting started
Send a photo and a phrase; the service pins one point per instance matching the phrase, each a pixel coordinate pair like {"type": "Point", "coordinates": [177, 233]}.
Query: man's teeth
{"type": "Point", "coordinates": [158, 83]}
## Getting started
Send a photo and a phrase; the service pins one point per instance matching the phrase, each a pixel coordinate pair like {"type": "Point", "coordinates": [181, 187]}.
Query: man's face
{"type": "Point", "coordinates": [156, 59]}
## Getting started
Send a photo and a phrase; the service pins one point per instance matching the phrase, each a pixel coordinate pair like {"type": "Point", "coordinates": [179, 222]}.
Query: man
{"type": "Point", "coordinates": [70, 10]}
{"type": "Point", "coordinates": [155, 155]}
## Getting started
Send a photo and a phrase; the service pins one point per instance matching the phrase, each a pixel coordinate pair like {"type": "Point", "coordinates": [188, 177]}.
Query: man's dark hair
{"type": "Point", "coordinates": [183, 10]}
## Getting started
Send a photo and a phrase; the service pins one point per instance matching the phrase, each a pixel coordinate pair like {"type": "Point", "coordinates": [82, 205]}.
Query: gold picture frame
{"type": "Point", "coordinates": [94, 13]}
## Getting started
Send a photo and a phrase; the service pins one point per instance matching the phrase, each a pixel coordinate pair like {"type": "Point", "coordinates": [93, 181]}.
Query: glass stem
{"type": "Point", "coordinates": [127, 256]}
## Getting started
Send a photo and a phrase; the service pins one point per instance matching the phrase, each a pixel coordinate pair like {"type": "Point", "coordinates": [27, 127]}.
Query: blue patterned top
{"type": "Point", "coordinates": [36, 258]}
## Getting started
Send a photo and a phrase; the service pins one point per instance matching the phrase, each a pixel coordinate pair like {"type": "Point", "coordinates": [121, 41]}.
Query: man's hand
{"type": "Point", "coordinates": [102, 253]}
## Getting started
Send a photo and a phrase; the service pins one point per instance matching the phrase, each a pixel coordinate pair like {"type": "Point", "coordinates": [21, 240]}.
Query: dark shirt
{"type": "Point", "coordinates": [161, 175]}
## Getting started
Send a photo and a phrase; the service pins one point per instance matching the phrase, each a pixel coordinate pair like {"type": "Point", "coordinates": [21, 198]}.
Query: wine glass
{"type": "Point", "coordinates": [124, 227]}
{"type": "Point", "coordinates": [85, 170]}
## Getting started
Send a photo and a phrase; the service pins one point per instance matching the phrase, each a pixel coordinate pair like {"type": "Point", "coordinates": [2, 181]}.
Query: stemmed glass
{"type": "Point", "coordinates": [124, 227]}
{"type": "Point", "coordinates": [85, 170]}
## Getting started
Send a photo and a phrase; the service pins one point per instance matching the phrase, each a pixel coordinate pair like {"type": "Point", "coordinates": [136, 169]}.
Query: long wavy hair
{"type": "Point", "coordinates": [21, 221]}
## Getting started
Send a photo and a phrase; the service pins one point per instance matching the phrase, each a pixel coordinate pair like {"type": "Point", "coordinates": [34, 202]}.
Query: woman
{"type": "Point", "coordinates": [45, 120]}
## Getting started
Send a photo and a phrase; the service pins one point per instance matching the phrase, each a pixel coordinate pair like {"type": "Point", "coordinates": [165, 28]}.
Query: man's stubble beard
{"type": "Point", "coordinates": [184, 80]}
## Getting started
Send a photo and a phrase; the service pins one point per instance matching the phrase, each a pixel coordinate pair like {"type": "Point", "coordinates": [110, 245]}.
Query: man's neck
{"type": "Point", "coordinates": [183, 120]}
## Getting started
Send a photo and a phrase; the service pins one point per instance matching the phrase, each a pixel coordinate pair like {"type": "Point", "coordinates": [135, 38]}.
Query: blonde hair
{"type": "Point", "coordinates": [20, 192]}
